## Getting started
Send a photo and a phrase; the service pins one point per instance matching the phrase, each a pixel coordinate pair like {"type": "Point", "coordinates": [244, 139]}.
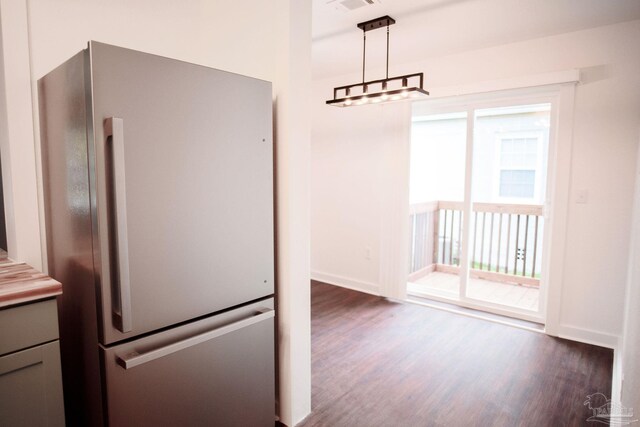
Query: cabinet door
{"type": "Point", "coordinates": [31, 387]}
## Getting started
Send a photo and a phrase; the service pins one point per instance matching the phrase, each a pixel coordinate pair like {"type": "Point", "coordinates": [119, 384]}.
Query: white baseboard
{"type": "Point", "coordinates": [346, 282]}
{"type": "Point", "coordinates": [588, 336]}
{"type": "Point", "coordinates": [616, 377]}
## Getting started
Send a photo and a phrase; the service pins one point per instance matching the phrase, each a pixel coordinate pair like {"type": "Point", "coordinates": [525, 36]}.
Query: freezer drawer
{"type": "Point", "coordinates": [218, 371]}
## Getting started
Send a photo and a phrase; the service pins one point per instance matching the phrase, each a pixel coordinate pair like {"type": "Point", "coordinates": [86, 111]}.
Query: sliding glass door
{"type": "Point", "coordinates": [477, 192]}
{"type": "Point", "coordinates": [438, 152]}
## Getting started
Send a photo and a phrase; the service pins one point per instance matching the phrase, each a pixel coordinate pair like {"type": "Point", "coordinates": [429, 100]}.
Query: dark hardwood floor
{"type": "Point", "coordinates": [380, 363]}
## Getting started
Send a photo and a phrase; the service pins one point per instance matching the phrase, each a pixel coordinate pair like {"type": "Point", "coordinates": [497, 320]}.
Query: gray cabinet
{"type": "Point", "coordinates": [30, 378]}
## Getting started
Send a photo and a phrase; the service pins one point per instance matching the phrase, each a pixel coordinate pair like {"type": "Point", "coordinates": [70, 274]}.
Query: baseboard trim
{"type": "Point", "coordinates": [346, 282]}
{"type": "Point", "coordinates": [616, 378]}
{"type": "Point", "coordinates": [588, 336]}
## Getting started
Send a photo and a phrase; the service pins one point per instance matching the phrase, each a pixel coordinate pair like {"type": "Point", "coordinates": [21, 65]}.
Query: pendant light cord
{"type": "Point", "coordinates": [364, 52]}
{"type": "Point", "coordinates": [387, 50]}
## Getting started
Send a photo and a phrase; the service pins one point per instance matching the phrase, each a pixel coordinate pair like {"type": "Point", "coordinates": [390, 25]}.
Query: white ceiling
{"type": "Point", "coordinates": [430, 28]}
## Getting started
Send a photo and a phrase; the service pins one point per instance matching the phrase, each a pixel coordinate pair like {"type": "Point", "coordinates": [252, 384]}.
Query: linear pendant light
{"type": "Point", "coordinates": [389, 89]}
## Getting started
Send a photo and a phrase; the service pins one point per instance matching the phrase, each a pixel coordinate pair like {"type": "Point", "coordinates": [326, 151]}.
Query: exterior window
{"type": "Point", "coordinates": [517, 183]}
{"type": "Point", "coordinates": [518, 162]}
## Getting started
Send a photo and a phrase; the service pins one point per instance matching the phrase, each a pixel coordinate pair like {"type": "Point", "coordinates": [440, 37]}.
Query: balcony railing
{"type": "Point", "coordinates": [505, 241]}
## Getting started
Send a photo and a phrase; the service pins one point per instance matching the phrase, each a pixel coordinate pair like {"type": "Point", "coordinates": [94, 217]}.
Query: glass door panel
{"type": "Point", "coordinates": [509, 179]}
{"type": "Point", "coordinates": [437, 188]}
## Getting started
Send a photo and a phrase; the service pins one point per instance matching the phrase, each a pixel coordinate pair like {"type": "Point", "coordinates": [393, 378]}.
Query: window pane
{"type": "Point", "coordinates": [519, 153]}
{"type": "Point", "coordinates": [438, 147]}
{"type": "Point", "coordinates": [510, 146]}
{"type": "Point", "coordinates": [517, 183]}
{"type": "Point", "coordinates": [511, 138]}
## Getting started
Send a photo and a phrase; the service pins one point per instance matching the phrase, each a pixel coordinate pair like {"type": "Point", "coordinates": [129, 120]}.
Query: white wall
{"type": "Point", "coordinates": [244, 37]}
{"type": "Point", "coordinates": [352, 150]}
{"type": "Point", "coordinates": [218, 34]}
{"type": "Point", "coordinates": [630, 347]}
{"type": "Point", "coordinates": [358, 157]}
{"type": "Point", "coordinates": [17, 136]}
{"type": "Point", "coordinates": [293, 129]}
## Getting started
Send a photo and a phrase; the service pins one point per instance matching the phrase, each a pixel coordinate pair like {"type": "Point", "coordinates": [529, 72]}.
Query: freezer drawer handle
{"type": "Point", "coordinates": [114, 128]}
{"type": "Point", "coordinates": [134, 359]}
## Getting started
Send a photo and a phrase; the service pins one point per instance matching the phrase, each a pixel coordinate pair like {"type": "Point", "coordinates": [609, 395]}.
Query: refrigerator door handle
{"type": "Point", "coordinates": [131, 360]}
{"type": "Point", "coordinates": [114, 132]}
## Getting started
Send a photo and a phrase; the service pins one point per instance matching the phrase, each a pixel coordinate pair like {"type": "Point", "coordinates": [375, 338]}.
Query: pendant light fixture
{"type": "Point", "coordinates": [389, 89]}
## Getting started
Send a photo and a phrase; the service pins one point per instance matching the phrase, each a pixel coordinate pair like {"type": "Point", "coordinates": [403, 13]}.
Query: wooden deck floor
{"type": "Point", "coordinates": [381, 363]}
{"type": "Point", "coordinates": [447, 285]}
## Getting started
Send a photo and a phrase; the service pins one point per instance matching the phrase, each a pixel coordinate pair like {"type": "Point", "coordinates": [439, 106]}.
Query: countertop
{"type": "Point", "coordinates": [20, 283]}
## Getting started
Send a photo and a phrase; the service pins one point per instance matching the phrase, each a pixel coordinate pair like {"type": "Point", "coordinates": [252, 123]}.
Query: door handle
{"type": "Point", "coordinates": [134, 359]}
{"type": "Point", "coordinates": [114, 132]}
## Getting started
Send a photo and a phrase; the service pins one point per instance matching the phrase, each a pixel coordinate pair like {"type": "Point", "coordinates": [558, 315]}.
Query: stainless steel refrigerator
{"type": "Point", "coordinates": [158, 189]}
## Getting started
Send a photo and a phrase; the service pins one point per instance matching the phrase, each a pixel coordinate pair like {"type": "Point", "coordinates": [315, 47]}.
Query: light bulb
{"type": "Point", "coordinates": [384, 97]}
{"type": "Point", "coordinates": [347, 102]}
{"type": "Point", "coordinates": [404, 93]}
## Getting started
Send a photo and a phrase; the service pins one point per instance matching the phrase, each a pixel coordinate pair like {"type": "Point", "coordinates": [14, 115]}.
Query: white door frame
{"type": "Point", "coordinates": [561, 98]}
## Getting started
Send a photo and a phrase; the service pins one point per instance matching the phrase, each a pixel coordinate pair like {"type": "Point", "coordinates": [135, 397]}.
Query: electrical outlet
{"type": "Point", "coordinates": [582, 196]}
